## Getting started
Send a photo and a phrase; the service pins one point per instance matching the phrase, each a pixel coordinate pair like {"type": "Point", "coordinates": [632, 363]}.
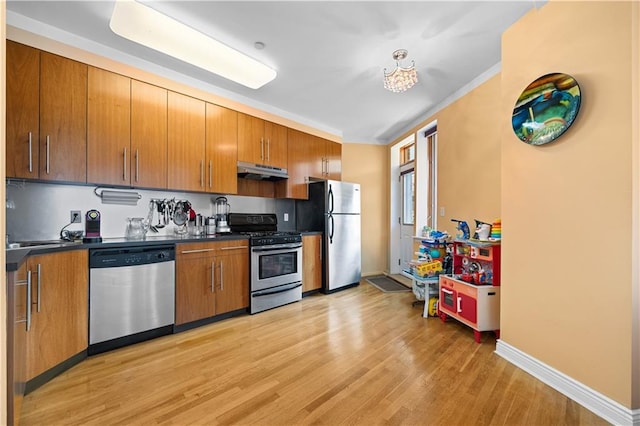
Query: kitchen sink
{"type": "Point", "coordinates": [41, 243]}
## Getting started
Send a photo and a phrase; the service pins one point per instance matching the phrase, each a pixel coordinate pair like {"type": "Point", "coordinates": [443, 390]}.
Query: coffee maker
{"type": "Point", "coordinates": [221, 210]}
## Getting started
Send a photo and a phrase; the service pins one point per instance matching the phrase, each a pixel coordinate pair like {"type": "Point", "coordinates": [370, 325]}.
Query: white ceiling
{"type": "Point", "coordinates": [329, 55]}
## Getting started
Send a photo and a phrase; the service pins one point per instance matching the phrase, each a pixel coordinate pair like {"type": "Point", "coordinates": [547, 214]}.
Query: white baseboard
{"type": "Point", "coordinates": [594, 401]}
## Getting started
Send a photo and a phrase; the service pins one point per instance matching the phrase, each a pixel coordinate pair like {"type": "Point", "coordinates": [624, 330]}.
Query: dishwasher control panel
{"type": "Point", "coordinates": [130, 256]}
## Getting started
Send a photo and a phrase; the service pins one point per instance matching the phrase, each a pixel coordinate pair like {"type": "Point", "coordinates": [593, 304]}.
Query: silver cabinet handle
{"type": "Point", "coordinates": [47, 159]}
{"type": "Point", "coordinates": [27, 282]}
{"type": "Point", "coordinates": [262, 148]}
{"type": "Point", "coordinates": [221, 277]}
{"type": "Point", "coordinates": [39, 280]}
{"type": "Point", "coordinates": [196, 251]}
{"type": "Point", "coordinates": [124, 165]}
{"type": "Point", "coordinates": [202, 173]}
{"type": "Point", "coordinates": [30, 153]}
{"type": "Point", "coordinates": [213, 277]}
{"type": "Point", "coordinates": [233, 248]}
{"type": "Point", "coordinates": [210, 174]}
{"type": "Point", "coordinates": [268, 149]}
{"type": "Point", "coordinates": [137, 165]}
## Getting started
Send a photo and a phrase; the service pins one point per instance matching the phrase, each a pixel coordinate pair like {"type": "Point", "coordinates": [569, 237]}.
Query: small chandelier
{"type": "Point", "coordinates": [401, 78]}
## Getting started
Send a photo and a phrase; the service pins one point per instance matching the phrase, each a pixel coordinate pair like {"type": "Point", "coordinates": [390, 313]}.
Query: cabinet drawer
{"type": "Point", "coordinates": [208, 248]}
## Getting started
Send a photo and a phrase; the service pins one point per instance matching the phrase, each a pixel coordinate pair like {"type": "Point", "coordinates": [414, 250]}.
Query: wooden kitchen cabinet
{"type": "Point", "coordinates": [312, 262]}
{"type": "Point", "coordinates": [221, 149]}
{"type": "Point", "coordinates": [325, 159]}
{"type": "Point", "coordinates": [261, 141]}
{"type": "Point", "coordinates": [186, 142]}
{"type": "Point", "coordinates": [19, 323]}
{"type": "Point", "coordinates": [148, 159]}
{"type": "Point", "coordinates": [23, 110]}
{"type": "Point", "coordinates": [212, 278]}
{"type": "Point", "coordinates": [59, 309]}
{"type": "Point", "coordinates": [46, 115]}
{"type": "Point", "coordinates": [108, 128]}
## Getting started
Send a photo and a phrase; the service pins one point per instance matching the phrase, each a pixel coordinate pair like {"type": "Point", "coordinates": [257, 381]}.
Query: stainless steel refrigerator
{"type": "Point", "coordinates": [334, 208]}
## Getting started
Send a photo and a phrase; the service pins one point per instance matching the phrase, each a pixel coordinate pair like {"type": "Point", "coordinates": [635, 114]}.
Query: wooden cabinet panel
{"type": "Point", "coordinates": [211, 279]}
{"type": "Point", "coordinates": [63, 119]}
{"type": "Point", "coordinates": [276, 145]}
{"type": "Point", "coordinates": [186, 147]}
{"type": "Point", "coordinates": [299, 164]}
{"type": "Point", "coordinates": [195, 292]}
{"type": "Point", "coordinates": [312, 262]}
{"type": "Point", "coordinates": [261, 142]}
{"type": "Point", "coordinates": [109, 128]}
{"type": "Point", "coordinates": [59, 309]}
{"type": "Point", "coordinates": [148, 135]}
{"type": "Point", "coordinates": [233, 281]}
{"type": "Point", "coordinates": [317, 157]}
{"type": "Point", "coordinates": [251, 144]}
{"type": "Point", "coordinates": [333, 162]}
{"type": "Point", "coordinates": [221, 149]}
{"type": "Point", "coordinates": [22, 103]}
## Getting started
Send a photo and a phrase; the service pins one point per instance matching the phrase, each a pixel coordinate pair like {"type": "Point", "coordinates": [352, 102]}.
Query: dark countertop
{"type": "Point", "coordinates": [15, 257]}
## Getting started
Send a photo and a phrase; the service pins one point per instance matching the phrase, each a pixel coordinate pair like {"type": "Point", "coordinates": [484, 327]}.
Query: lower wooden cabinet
{"type": "Point", "coordinates": [312, 262]}
{"type": "Point", "coordinates": [59, 309]}
{"type": "Point", "coordinates": [212, 278]}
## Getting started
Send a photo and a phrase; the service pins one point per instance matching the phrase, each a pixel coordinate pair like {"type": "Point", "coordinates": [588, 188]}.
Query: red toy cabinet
{"type": "Point", "coordinates": [471, 294]}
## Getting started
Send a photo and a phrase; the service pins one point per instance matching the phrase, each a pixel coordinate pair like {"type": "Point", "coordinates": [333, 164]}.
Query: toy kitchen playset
{"type": "Point", "coordinates": [466, 274]}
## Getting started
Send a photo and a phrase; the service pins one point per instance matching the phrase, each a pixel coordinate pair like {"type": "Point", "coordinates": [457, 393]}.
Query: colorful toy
{"type": "Point", "coordinates": [462, 227]}
{"type": "Point", "coordinates": [496, 230]}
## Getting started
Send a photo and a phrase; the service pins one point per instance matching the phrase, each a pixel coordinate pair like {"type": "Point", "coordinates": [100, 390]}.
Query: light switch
{"type": "Point", "coordinates": [286, 217]}
{"type": "Point", "coordinates": [442, 211]}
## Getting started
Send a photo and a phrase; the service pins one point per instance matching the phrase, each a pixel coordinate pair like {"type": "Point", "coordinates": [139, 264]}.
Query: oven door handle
{"type": "Point", "coordinates": [278, 247]}
{"type": "Point", "coordinates": [279, 290]}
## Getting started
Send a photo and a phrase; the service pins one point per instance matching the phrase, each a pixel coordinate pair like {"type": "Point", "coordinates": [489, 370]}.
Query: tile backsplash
{"type": "Point", "coordinates": [38, 211]}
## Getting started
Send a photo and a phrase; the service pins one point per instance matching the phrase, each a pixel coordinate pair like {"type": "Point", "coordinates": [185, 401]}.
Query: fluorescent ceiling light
{"type": "Point", "coordinates": [143, 25]}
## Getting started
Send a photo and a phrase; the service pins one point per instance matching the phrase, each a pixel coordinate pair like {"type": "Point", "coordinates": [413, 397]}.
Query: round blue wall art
{"type": "Point", "coordinates": [546, 108]}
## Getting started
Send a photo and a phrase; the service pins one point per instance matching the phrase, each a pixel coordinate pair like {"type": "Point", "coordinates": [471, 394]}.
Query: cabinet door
{"type": "Point", "coordinates": [232, 292]}
{"type": "Point", "coordinates": [63, 119]}
{"type": "Point", "coordinates": [275, 137]}
{"type": "Point", "coordinates": [333, 160]}
{"type": "Point", "coordinates": [317, 157]}
{"type": "Point", "coordinates": [109, 128]}
{"type": "Point", "coordinates": [148, 135]}
{"type": "Point", "coordinates": [59, 309]}
{"type": "Point", "coordinates": [467, 307]}
{"type": "Point", "coordinates": [222, 150]}
{"type": "Point", "coordinates": [298, 167]}
{"type": "Point", "coordinates": [23, 109]}
{"type": "Point", "coordinates": [251, 143]}
{"type": "Point", "coordinates": [186, 133]}
{"type": "Point", "coordinates": [195, 285]}
{"type": "Point", "coordinates": [312, 262]}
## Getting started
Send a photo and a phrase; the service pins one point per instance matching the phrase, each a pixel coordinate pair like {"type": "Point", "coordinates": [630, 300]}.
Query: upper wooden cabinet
{"type": "Point", "coordinates": [148, 163]}
{"type": "Point", "coordinates": [261, 142]}
{"type": "Point", "coordinates": [46, 115]}
{"type": "Point", "coordinates": [325, 159]}
{"type": "Point", "coordinates": [23, 110]}
{"type": "Point", "coordinates": [221, 149]}
{"type": "Point", "coordinates": [186, 142]}
{"type": "Point", "coordinates": [109, 128]}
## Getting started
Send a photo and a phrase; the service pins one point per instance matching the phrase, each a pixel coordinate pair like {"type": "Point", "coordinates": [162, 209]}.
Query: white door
{"type": "Point", "coordinates": [407, 217]}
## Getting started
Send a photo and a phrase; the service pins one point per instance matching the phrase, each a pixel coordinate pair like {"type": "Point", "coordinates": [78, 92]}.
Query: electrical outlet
{"type": "Point", "coordinates": [286, 217]}
{"type": "Point", "coordinates": [76, 216]}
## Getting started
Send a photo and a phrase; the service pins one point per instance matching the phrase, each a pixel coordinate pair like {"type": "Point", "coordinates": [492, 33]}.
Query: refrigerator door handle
{"type": "Point", "coordinates": [330, 199]}
{"type": "Point", "coordinates": [331, 228]}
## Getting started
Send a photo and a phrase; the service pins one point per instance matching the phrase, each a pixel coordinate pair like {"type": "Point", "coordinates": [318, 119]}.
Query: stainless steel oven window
{"type": "Point", "coordinates": [275, 265]}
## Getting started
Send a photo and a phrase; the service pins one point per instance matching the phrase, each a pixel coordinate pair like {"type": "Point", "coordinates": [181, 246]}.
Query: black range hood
{"type": "Point", "coordinates": [261, 172]}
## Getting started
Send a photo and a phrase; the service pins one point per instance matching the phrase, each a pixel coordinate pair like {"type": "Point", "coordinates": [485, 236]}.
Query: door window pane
{"type": "Point", "coordinates": [408, 198]}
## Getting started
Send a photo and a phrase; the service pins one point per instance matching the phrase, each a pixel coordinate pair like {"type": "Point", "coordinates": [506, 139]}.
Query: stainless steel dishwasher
{"type": "Point", "coordinates": [131, 295]}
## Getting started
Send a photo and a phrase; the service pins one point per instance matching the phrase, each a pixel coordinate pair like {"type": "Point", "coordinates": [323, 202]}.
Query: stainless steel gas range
{"type": "Point", "coordinates": [276, 260]}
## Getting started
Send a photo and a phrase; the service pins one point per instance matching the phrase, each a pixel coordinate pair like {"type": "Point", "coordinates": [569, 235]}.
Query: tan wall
{"type": "Point", "coordinates": [368, 165]}
{"type": "Point", "coordinates": [469, 157]}
{"type": "Point", "coordinates": [566, 206]}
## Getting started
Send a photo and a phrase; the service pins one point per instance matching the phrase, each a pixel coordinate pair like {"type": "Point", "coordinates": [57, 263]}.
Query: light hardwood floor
{"type": "Point", "coordinates": [357, 357]}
